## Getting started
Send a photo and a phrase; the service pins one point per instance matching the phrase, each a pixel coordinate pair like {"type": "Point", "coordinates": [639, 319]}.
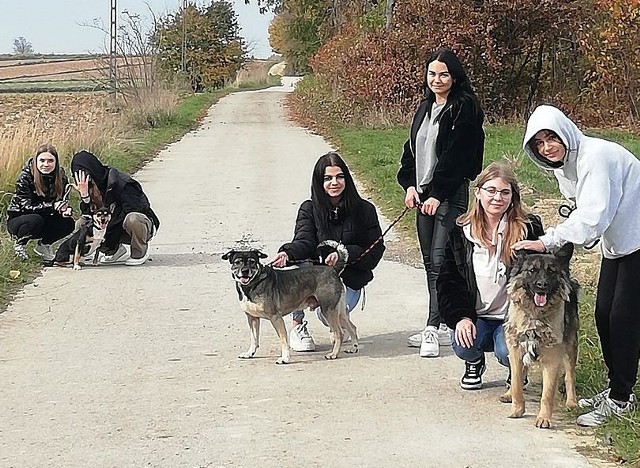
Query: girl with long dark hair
{"type": "Point", "coordinates": [443, 154]}
{"type": "Point", "coordinates": [336, 211]}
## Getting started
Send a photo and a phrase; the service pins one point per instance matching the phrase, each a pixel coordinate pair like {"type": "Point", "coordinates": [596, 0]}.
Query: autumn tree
{"type": "Point", "coordinates": [21, 46]}
{"type": "Point", "coordinates": [201, 42]}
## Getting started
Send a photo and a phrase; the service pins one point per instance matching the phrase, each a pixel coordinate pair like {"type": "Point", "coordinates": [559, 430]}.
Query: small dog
{"type": "Point", "coordinates": [269, 293]}
{"type": "Point", "coordinates": [542, 326]}
{"type": "Point", "coordinates": [86, 239]}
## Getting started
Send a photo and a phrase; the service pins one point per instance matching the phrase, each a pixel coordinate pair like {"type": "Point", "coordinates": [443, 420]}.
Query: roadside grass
{"type": "Point", "coordinates": [374, 155]}
{"type": "Point", "coordinates": [127, 151]}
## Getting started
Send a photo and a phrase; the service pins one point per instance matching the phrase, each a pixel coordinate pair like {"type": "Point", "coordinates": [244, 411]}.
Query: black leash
{"type": "Point", "coordinates": [566, 210]}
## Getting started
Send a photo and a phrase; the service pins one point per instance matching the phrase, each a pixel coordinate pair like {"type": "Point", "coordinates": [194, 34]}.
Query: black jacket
{"type": "Point", "coordinates": [357, 231]}
{"type": "Point", "coordinates": [25, 199]}
{"type": "Point", "coordinates": [459, 149]}
{"type": "Point", "coordinates": [456, 284]}
{"type": "Point", "coordinates": [128, 196]}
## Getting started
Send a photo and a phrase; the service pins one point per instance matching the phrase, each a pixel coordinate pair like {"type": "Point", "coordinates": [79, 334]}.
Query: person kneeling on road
{"type": "Point", "coordinates": [133, 222]}
{"type": "Point", "coordinates": [472, 285]}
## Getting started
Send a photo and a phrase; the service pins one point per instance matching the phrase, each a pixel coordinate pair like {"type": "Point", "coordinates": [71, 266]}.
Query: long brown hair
{"type": "Point", "coordinates": [515, 216]}
{"type": "Point", "coordinates": [57, 173]}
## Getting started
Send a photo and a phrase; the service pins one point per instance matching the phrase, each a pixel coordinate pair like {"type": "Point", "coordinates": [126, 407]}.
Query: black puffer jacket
{"type": "Point", "coordinates": [128, 196]}
{"type": "Point", "coordinates": [357, 231]}
{"type": "Point", "coordinates": [25, 199]}
{"type": "Point", "coordinates": [456, 284]}
{"type": "Point", "coordinates": [459, 149]}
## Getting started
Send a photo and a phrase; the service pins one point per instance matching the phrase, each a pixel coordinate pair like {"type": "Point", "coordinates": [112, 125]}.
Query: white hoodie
{"type": "Point", "coordinates": [601, 177]}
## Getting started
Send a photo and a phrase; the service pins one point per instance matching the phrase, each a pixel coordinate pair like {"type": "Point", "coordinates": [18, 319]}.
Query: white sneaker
{"type": "Point", "coordinates": [45, 251]}
{"type": "Point", "coordinates": [444, 335]}
{"type": "Point", "coordinates": [415, 340]}
{"type": "Point", "coordinates": [121, 255]}
{"type": "Point", "coordinates": [300, 339]}
{"type": "Point", "coordinates": [137, 261]}
{"type": "Point", "coordinates": [603, 411]}
{"type": "Point", "coordinates": [429, 346]}
{"type": "Point", "coordinates": [596, 399]}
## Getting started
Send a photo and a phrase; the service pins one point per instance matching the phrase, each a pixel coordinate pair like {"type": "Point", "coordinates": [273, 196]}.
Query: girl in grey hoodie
{"type": "Point", "coordinates": [602, 179]}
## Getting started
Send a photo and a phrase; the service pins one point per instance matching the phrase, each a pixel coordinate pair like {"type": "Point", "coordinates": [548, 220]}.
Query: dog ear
{"type": "Point", "coordinates": [112, 207]}
{"type": "Point", "coordinates": [564, 254]}
{"type": "Point", "coordinates": [228, 255]}
{"type": "Point", "coordinates": [93, 207]}
{"type": "Point", "coordinates": [261, 254]}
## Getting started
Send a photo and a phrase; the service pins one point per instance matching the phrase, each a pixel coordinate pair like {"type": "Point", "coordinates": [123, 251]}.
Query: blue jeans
{"type": "Point", "coordinates": [352, 296]}
{"type": "Point", "coordinates": [489, 337]}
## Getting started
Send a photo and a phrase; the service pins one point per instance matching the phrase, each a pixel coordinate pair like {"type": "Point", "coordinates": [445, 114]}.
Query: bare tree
{"type": "Point", "coordinates": [22, 47]}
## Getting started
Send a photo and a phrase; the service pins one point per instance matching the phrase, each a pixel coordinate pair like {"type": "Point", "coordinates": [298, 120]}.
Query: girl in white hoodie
{"type": "Point", "coordinates": [602, 179]}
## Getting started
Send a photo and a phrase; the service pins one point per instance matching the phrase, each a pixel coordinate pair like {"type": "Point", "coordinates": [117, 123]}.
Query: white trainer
{"type": "Point", "coordinates": [300, 340]}
{"type": "Point", "coordinates": [430, 346]}
{"type": "Point", "coordinates": [121, 255]}
{"type": "Point", "coordinates": [444, 335]}
{"type": "Point", "coordinates": [603, 411]}
{"type": "Point", "coordinates": [137, 261]}
{"type": "Point", "coordinates": [45, 251]}
{"type": "Point", "coordinates": [415, 340]}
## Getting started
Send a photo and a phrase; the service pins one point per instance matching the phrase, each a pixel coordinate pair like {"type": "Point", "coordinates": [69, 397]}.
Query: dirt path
{"type": "Point", "coordinates": [116, 366]}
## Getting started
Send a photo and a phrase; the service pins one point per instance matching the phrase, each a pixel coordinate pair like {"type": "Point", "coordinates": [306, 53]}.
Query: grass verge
{"type": "Point", "coordinates": [374, 154]}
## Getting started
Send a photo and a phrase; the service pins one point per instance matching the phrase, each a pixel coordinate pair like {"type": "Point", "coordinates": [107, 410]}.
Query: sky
{"type": "Point", "coordinates": [56, 26]}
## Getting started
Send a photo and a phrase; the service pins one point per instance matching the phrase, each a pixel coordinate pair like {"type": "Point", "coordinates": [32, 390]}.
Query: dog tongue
{"type": "Point", "coordinates": [540, 299]}
{"type": "Point", "coordinates": [244, 280]}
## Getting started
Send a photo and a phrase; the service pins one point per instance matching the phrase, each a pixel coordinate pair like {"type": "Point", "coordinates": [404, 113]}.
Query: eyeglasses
{"type": "Point", "coordinates": [492, 191]}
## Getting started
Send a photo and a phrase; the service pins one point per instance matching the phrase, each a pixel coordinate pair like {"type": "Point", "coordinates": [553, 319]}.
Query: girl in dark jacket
{"type": "Point", "coordinates": [133, 222]}
{"type": "Point", "coordinates": [335, 212]}
{"type": "Point", "coordinates": [37, 209]}
{"type": "Point", "coordinates": [472, 285]}
{"type": "Point", "coordinates": [443, 153]}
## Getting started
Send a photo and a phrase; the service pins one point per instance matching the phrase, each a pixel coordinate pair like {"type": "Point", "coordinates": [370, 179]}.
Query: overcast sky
{"type": "Point", "coordinates": [55, 26]}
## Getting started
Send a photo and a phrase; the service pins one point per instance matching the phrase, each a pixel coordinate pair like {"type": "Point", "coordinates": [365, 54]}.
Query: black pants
{"type": "Point", "coordinates": [433, 233]}
{"type": "Point", "coordinates": [48, 227]}
{"type": "Point", "coordinates": [618, 321]}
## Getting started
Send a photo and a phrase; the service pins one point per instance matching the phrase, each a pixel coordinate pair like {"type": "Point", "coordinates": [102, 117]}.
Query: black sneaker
{"type": "Point", "coordinates": [472, 378]}
{"type": "Point", "coordinates": [525, 384]}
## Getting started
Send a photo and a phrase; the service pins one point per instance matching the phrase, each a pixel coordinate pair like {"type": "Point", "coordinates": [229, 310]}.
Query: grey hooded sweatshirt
{"type": "Point", "coordinates": [603, 180]}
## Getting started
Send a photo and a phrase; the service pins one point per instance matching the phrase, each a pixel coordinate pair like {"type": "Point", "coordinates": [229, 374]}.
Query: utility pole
{"type": "Point", "coordinates": [113, 51]}
{"type": "Point", "coordinates": [183, 61]}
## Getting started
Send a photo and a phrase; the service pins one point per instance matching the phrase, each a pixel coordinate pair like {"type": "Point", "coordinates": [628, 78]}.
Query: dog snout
{"type": "Point", "coordinates": [541, 284]}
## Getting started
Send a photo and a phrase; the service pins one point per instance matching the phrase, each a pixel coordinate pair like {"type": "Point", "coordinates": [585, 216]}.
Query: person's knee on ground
{"type": "Point", "coordinates": [140, 229]}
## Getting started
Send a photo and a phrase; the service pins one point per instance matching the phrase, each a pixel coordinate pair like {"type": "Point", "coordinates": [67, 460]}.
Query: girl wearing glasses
{"type": "Point", "coordinates": [335, 212]}
{"type": "Point", "coordinates": [472, 285]}
{"type": "Point", "coordinates": [443, 153]}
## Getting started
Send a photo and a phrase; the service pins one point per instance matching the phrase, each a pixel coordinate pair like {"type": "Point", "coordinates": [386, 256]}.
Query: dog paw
{"type": "Point", "coordinates": [282, 360]}
{"type": "Point", "coordinates": [571, 403]}
{"type": "Point", "coordinates": [517, 413]}
{"type": "Point", "coordinates": [543, 423]}
{"type": "Point", "coordinates": [353, 350]}
{"type": "Point", "coordinates": [77, 267]}
{"type": "Point", "coordinates": [505, 397]}
{"type": "Point", "coordinates": [246, 355]}
{"type": "Point", "coordinates": [330, 356]}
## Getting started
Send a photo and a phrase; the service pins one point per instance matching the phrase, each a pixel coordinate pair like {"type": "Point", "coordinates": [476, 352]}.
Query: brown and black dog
{"type": "Point", "coordinates": [271, 293]}
{"type": "Point", "coordinates": [542, 326]}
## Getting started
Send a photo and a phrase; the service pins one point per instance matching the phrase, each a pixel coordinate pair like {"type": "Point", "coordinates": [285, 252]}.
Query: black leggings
{"type": "Point", "coordinates": [48, 227]}
{"type": "Point", "coordinates": [433, 233]}
{"type": "Point", "coordinates": [618, 321]}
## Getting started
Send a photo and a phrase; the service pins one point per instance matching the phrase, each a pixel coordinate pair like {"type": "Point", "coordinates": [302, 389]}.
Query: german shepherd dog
{"type": "Point", "coordinates": [269, 293]}
{"type": "Point", "coordinates": [86, 239]}
{"type": "Point", "coordinates": [542, 326]}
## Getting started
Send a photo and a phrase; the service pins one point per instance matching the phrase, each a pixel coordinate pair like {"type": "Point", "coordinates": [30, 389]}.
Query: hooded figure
{"type": "Point", "coordinates": [601, 177]}
{"type": "Point", "coordinates": [133, 222]}
{"type": "Point", "coordinates": [603, 180]}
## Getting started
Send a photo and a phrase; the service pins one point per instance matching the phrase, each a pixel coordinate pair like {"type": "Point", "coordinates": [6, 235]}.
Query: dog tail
{"type": "Point", "coordinates": [330, 246]}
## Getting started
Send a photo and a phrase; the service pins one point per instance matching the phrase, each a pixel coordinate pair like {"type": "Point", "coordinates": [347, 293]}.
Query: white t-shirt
{"type": "Point", "coordinates": [491, 276]}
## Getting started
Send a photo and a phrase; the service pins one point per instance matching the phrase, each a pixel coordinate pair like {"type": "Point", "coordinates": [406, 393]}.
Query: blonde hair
{"type": "Point", "coordinates": [515, 216]}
